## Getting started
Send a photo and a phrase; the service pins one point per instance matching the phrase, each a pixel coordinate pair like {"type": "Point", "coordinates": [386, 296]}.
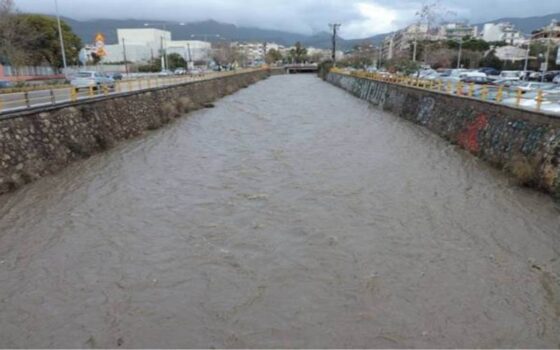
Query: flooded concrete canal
{"type": "Point", "coordinates": [291, 215]}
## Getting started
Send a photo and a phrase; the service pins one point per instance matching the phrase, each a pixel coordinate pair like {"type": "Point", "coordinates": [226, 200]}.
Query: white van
{"type": "Point", "coordinates": [511, 75]}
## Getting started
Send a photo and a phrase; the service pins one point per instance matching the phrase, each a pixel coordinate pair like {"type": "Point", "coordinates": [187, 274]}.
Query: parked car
{"type": "Point", "coordinates": [556, 79]}
{"type": "Point", "coordinates": [427, 74]}
{"type": "Point", "coordinates": [550, 75]}
{"type": "Point", "coordinates": [551, 101]}
{"type": "Point", "coordinates": [196, 72]}
{"type": "Point", "coordinates": [4, 84]}
{"type": "Point", "coordinates": [87, 79]}
{"type": "Point", "coordinates": [458, 73]}
{"type": "Point", "coordinates": [116, 76]}
{"type": "Point", "coordinates": [180, 71]}
{"type": "Point", "coordinates": [489, 71]}
{"type": "Point", "coordinates": [511, 75]}
{"type": "Point", "coordinates": [165, 73]}
{"type": "Point", "coordinates": [533, 86]}
{"type": "Point", "coordinates": [507, 83]}
{"type": "Point", "coordinates": [479, 80]}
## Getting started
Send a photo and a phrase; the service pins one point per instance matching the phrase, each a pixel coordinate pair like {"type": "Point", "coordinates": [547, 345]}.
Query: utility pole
{"type": "Point", "coordinates": [124, 56]}
{"type": "Point", "coordinates": [551, 29]}
{"type": "Point", "coordinates": [460, 53]}
{"type": "Point", "coordinates": [526, 67]}
{"type": "Point", "coordinates": [334, 27]}
{"type": "Point", "coordinates": [264, 51]}
{"type": "Point", "coordinates": [189, 62]}
{"type": "Point", "coordinates": [415, 44]}
{"type": "Point", "coordinates": [60, 35]}
{"type": "Point", "coordinates": [161, 53]}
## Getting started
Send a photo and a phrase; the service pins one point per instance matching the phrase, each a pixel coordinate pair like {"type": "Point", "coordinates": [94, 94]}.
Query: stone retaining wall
{"type": "Point", "coordinates": [42, 141]}
{"type": "Point", "coordinates": [524, 143]}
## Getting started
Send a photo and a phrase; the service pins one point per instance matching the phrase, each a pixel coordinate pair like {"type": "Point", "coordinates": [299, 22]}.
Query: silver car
{"type": "Point", "coordinates": [89, 79]}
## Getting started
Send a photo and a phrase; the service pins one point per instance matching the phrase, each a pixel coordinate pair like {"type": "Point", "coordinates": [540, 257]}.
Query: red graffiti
{"type": "Point", "coordinates": [469, 138]}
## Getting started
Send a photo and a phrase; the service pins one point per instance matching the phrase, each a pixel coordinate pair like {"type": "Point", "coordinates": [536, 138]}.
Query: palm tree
{"type": "Point", "coordinates": [298, 53]}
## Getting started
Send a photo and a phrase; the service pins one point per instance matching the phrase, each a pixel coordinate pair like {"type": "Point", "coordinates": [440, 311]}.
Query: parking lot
{"type": "Point", "coordinates": [508, 88]}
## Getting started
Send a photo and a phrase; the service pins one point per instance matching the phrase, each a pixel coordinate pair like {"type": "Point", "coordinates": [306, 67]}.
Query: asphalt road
{"type": "Point", "coordinates": [19, 101]}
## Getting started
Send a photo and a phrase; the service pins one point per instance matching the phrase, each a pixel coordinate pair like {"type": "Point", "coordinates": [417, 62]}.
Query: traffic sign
{"type": "Point", "coordinates": [100, 45]}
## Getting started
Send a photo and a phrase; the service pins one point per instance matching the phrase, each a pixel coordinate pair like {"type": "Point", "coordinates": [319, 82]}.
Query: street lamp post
{"type": "Point", "coordinates": [163, 47]}
{"type": "Point", "coordinates": [334, 27]}
{"type": "Point", "coordinates": [379, 56]}
{"type": "Point", "coordinates": [552, 25]}
{"type": "Point", "coordinates": [527, 57]}
{"type": "Point", "coordinates": [124, 56]}
{"type": "Point", "coordinates": [460, 53]}
{"type": "Point", "coordinates": [60, 35]}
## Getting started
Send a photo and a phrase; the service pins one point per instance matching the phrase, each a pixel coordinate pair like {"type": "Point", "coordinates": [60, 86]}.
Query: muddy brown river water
{"type": "Point", "coordinates": [291, 215]}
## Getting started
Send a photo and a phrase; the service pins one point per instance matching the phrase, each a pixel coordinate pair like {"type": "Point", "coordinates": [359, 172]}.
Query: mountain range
{"type": "Point", "coordinates": [214, 31]}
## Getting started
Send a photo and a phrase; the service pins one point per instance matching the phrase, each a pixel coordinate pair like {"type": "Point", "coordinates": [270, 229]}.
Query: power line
{"type": "Point", "coordinates": [334, 27]}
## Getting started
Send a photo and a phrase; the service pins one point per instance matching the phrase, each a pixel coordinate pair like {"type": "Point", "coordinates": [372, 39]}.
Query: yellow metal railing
{"type": "Point", "coordinates": [515, 96]}
{"type": "Point", "coordinates": [34, 98]}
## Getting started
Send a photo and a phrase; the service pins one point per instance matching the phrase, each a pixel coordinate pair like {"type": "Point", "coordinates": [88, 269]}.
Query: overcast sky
{"type": "Point", "coordinates": [360, 18]}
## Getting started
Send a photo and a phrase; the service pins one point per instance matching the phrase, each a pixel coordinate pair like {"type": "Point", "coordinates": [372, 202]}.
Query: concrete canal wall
{"type": "Point", "coordinates": [42, 141]}
{"type": "Point", "coordinates": [524, 143]}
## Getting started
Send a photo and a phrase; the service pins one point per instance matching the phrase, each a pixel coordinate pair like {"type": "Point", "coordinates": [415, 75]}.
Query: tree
{"type": "Point", "coordinates": [469, 43]}
{"type": "Point", "coordinates": [358, 60]}
{"type": "Point", "coordinates": [470, 59]}
{"type": "Point", "coordinates": [442, 58]}
{"type": "Point", "coordinates": [299, 53]}
{"type": "Point", "coordinates": [432, 14]}
{"type": "Point", "coordinates": [404, 65]}
{"type": "Point", "coordinates": [175, 61]}
{"type": "Point", "coordinates": [429, 15]}
{"type": "Point", "coordinates": [538, 50]}
{"type": "Point", "coordinates": [491, 60]}
{"type": "Point", "coordinates": [273, 56]}
{"type": "Point", "coordinates": [316, 57]}
{"type": "Point", "coordinates": [153, 65]}
{"type": "Point", "coordinates": [14, 37]}
{"type": "Point", "coordinates": [223, 54]}
{"type": "Point", "coordinates": [45, 43]}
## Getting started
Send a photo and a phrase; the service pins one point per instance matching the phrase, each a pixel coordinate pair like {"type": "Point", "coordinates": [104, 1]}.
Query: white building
{"type": "Point", "coordinates": [388, 47]}
{"type": "Point", "coordinates": [134, 53]}
{"type": "Point", "coordinates": [457, 31]}
{"type": "Point", "coordinates": [502, 32]}
{"type": "Point", "coordinates": [145, 44]}
{"type": "Point", "coordinates": [253, 51]}
{"type": "Point", "coordinates": [190, 50]}
{"type": "Point", "coordinates": [324, 54]}
{"type": "Point", "coordinates": [154, 39]}
{"type": "Point", "coordinates": [511, 53]}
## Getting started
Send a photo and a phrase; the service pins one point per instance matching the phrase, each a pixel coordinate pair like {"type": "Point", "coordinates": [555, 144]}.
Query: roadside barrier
{"type": "Point", "coordinates": [513, 97]}
{"type": "Point", "coordinates": [24, 99]}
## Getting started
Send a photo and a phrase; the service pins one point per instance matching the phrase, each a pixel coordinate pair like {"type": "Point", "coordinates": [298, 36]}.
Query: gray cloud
{"type": "Point", "coordinates": [360, 17]}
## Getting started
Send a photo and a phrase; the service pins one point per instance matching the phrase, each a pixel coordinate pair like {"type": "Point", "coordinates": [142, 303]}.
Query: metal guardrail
{"type": "Point", "coordinates": [20, 101]}
{"type": "Point", "coordinates": [492, 93]}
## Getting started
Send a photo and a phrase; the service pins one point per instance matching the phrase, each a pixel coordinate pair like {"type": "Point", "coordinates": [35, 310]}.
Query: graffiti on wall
{"type": "Point", "coordinates": [425, 109]}
{"type": "Point", "coordinates": [469, 139]}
